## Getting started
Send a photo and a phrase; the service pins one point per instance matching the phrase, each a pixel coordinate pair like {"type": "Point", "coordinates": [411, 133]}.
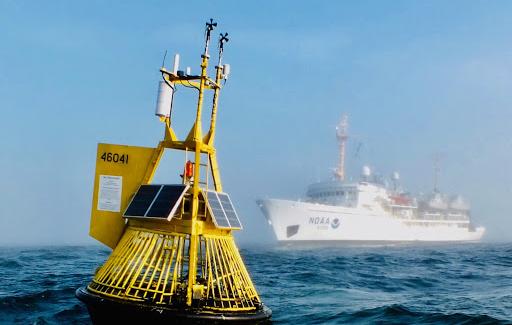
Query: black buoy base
{"type": "Point", "coordinates": [106, 310]}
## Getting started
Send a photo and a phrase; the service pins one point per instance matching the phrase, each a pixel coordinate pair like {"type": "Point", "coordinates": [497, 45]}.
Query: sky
{"type": "Point", "coordinates": [416, 79]}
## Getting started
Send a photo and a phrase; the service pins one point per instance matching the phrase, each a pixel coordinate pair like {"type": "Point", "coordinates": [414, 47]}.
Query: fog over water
{"type": "Point", "coordinates": [416, 79]}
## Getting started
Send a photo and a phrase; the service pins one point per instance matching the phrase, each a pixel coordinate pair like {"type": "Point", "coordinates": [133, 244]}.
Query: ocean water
{"type": "Point", "coordinates": [396, 284]}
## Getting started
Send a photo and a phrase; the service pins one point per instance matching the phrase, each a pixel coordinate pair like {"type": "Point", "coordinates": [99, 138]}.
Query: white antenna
{"type": "Point", "coordinates": [342, 136]}
{"type": "Point", "coordinates": [176, 63]}
{"type": "Point", "coordinates": [437, 157]}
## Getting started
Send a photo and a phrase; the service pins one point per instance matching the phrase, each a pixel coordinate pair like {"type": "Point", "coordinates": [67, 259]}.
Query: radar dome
{"type": "Point", "coordinates": [366, 172]}
{"type": "Point", "coordinates": [459, 203]}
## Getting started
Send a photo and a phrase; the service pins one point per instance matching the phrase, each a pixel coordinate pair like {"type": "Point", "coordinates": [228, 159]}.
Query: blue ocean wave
{"type": "Point", "coordinates": [387, 284]}
{"type": "Point", "coordinates": [9, 263]}
{"type": "Point", "coordinates": [399, 314]}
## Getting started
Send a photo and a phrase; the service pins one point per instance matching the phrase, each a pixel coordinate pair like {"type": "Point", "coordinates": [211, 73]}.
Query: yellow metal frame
{"type": "Point", "coordinates": [152, 266]}
{"type": "Point", "coordinates": [187, 261]}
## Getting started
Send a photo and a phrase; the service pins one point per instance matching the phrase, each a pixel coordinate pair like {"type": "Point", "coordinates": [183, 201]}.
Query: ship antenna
{"type": "Point", "coordinates": [342, 136]}
{"type": "Point", "coordinates": [437, 170]}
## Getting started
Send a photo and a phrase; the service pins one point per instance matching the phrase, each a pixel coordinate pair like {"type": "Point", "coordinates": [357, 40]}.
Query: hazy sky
{"type": "Point", "coordinates": [415, 78]}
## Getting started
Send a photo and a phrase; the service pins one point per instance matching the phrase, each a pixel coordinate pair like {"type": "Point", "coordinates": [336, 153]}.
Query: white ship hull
{"type": "Point", "coordinates": [304, 221]}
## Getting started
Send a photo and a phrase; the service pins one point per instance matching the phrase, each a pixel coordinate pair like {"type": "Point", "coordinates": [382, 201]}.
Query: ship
{"type": "Point", "coordinates": [369, 210]}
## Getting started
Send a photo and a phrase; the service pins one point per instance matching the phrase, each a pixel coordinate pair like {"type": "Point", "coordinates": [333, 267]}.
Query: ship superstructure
{"type": "Point", "coordinates": [368, 210]}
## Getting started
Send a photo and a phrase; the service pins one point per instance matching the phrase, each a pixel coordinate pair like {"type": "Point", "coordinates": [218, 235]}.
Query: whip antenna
{"type": "Point", "coordinates": [163, 60]}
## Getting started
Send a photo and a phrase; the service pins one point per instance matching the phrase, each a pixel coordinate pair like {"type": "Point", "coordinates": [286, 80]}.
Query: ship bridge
{"type": "Point", "coordinates": [347, 194]}
{"type": "Point", "coordinates": [333, 193]}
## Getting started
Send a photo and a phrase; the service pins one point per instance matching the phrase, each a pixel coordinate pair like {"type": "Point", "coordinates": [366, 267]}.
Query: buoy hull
{"type": "Point", "coordinates": [104, 310]}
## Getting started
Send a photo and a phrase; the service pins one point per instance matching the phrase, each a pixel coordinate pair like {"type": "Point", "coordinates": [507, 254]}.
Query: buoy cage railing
{"type": "Point", "coordinates": [149, 266]}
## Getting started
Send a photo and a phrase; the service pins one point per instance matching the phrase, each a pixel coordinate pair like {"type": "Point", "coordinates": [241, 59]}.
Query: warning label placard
{"type": "Point", "coordinates": [109, 194]}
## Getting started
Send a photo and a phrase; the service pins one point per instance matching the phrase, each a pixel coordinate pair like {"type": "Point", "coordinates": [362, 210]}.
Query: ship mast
{"type": "Point", "coordinates": [342, 136]}
{"type": "Point", "coordinates": [437, 170]}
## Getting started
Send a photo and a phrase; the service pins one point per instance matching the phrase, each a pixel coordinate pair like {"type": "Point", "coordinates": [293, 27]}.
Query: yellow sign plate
{"type": "Point", "coordinates": [119, 173]}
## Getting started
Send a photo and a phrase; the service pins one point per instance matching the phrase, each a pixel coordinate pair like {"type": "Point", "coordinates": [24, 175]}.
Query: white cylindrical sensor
{"type": "Point", "coordinates": [164, 99]}
{"type": "Point", "coordinates": [188, 71]}
{"type": "Point", "coordinates": [226, 70]}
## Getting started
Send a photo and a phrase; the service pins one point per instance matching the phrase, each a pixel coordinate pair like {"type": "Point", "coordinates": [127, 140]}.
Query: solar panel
{"type": "Point", "coordinates": [142, 200]}
{"type": "Point", "coordinates": [229, 210]}
{"type": "Point", "coordinates": [156, 201]}
{"type": "Point", "coordinates": [222, 210]}
{"type": "Point", "coordinates": [166, 201]}
{"type": "Point", "coordinates": [216, 210]}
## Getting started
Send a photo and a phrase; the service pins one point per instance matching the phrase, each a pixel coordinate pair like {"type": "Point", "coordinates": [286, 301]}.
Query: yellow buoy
{"type": "Point", "coordinates": [174, 256]}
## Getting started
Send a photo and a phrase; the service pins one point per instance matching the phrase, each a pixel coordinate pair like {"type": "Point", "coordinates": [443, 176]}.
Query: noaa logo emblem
{"type": "Point", "coordinates": [335, 223]}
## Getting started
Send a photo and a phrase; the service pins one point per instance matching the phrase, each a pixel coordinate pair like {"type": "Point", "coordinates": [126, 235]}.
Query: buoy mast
{"type": "Point", "coordinates": [195, 141]}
